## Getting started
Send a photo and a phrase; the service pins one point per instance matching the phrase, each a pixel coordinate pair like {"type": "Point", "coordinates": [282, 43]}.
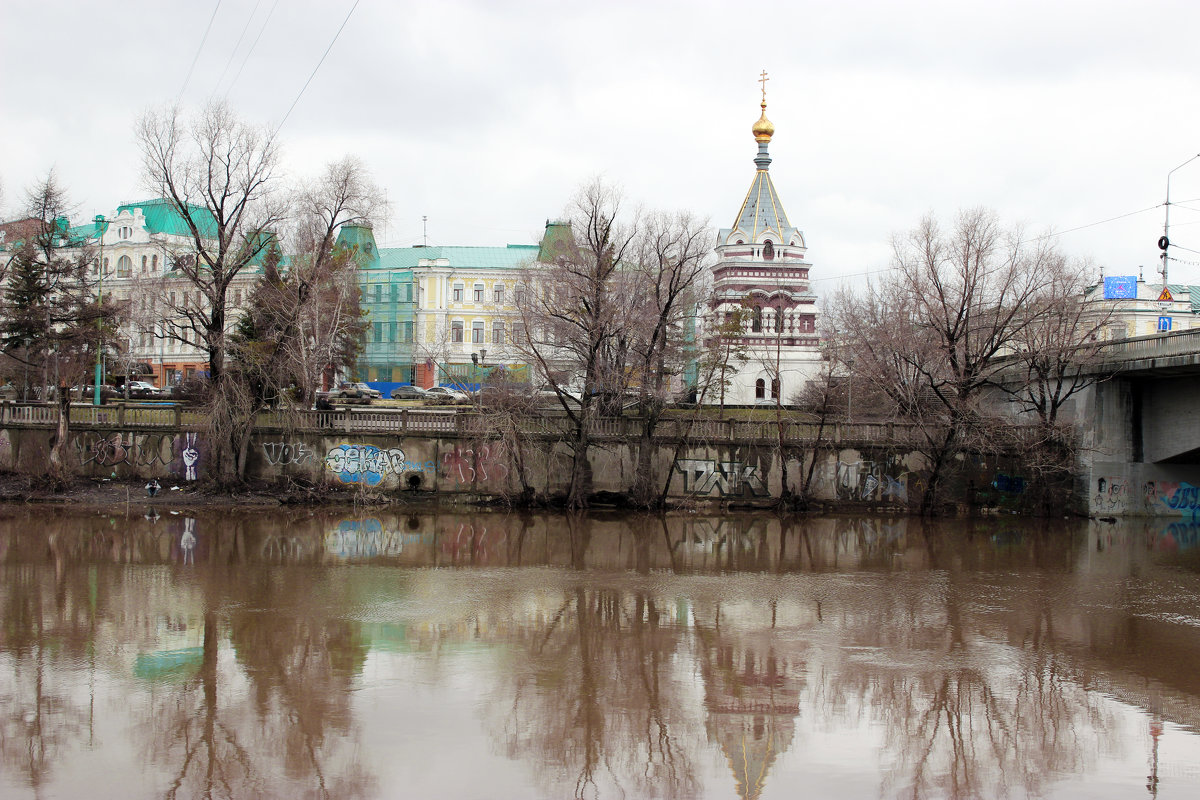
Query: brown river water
{"type": "Point", "coordinates": [372, 654]}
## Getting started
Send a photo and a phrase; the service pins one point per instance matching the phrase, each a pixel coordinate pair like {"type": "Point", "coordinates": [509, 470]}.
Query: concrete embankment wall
{"type": "Point", "coordinates": [860, 469]}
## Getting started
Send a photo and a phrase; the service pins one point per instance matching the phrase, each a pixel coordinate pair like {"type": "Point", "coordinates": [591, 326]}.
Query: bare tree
{"type": "Point", "coordinates": [930, 335]}
{"type": "Point", "coordinates": [571, 314]}
{"type": "Point", "coordinates": [218, 173]}
{"type": "Point", "coordinates": [669, 279]}
{"type": "Point", "coordinates": [1058, 353]}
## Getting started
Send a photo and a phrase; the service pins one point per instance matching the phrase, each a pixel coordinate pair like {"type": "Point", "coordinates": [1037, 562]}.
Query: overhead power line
{"type": "Point", "coordinates": [317, 67]}
{"type": "Point", "coordinates": [196, 58]}
{"type": "Point", "coordinates": [233, 52]}
{"type": "Point", "coordinates": [246, 57]}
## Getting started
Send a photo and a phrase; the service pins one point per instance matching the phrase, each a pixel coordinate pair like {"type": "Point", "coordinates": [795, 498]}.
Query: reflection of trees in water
{"type": "Point", "coordinates": [47, 630]}
{"type": "Point", "coordinates": [595, 701]}
{"type": "Point", "coordinates": [968, 708]}
{"type": "Point", "coordinates": [219, 741]}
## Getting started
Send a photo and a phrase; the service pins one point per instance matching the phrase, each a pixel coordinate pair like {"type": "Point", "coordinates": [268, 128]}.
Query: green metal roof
{"type": "Point", "coordinates": [510, 257]}
{"type": "Point", "coordinates": [163, 217]}
{"type": "Point", "coordinates": [1193, 294]}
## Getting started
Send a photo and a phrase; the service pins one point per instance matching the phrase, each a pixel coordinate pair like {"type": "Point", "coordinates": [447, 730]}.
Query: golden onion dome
{"type": "Point", "coordinates": [764, 129]}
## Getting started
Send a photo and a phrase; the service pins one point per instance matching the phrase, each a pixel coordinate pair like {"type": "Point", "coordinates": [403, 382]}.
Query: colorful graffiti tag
{"type": "Point", "coordinates": [701, 476]}
{"type": "Point", "coordinates": [469, 464]}
{"type": "Point", "coordinates": [1179, 497]}
{"type": "Point", "coordinates": [367, 464]}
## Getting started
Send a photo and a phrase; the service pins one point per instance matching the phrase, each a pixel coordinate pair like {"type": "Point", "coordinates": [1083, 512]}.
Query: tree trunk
{"type": "Point", "coordinates": [58, 461]}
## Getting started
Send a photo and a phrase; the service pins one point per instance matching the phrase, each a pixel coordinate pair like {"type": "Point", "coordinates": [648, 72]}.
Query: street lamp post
{"type": "Point", "coordinates": [101, 223]}
{"type": "Point", "coordinates": [1165, 241]}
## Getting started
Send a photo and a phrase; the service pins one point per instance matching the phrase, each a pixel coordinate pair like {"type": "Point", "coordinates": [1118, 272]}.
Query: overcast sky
{"type": "Point", "coordinates": [486, 116]}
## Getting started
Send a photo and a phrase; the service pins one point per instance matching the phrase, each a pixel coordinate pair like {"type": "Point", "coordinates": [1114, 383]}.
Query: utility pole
{"type": "Point", "coordinates": [1165, 241]}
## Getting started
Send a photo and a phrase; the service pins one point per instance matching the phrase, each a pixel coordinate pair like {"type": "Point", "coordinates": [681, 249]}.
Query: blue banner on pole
{"type": "Point", "coordinates": [1120, 287]}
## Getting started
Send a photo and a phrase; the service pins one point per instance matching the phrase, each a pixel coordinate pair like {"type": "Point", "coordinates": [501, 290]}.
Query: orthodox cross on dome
{"type": "Point", "coordinates": [763, 80]}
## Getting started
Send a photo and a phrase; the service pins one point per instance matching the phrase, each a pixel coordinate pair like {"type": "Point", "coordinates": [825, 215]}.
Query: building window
{"type": "Point", "coordinates": [379, 293]}
{"type": "Point", "coordinates": [756, 322]}
{"type": "Point", "coordinates": [124, 266]}
{"type": "Point", "coordinates": [479, 293]}
{"type": "Point", "coordinates": [457, 295]}
{"type": "Point", "coordinates": [477, 331]}
{"type": "Point", "coordinates": [237, 297]}
{"type": "Point", "coordinates": [408, 331]}
{"type": "Point", "coordinates": [144, 260]}
{"type": "Point", "coordinates": [521, 297]}
{"type": "Point", "coordinates": [408, 292]}
{"type": "Point", "coordinates": [498, 293]}
{"type": "Point", "coordinates": [456, 331]}
{"type": "Point", "coordinates": [760, 389]}
{"type": "Point", "coordinates": [154, 263]}
{"type": "Point", "coordinates": [378, 332]}
{"type": "Point", "coordinates": [518, 333]}
{"type": "Point", "coordinates": [497, 333]}
{"type": "Point", "coordinates": [768, 251]}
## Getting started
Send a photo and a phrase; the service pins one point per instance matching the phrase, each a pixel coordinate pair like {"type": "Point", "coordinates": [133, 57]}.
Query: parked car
{"type": "Point", "coordinates": [409, 393]}
{"type": "Point", "coordinates": [348, 390]}
{"type": "Point", "coordinates": [445, 396]}
{"type": "Point", "coordinates": [143, 390]}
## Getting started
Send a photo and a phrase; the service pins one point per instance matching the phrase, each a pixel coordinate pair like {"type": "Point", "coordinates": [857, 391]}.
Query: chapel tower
{"type": "Point", "coordinates": [761, 273]}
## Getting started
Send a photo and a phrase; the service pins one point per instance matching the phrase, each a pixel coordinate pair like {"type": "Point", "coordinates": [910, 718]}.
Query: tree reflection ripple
{"type": "Point", "coordinates": [319, 654]}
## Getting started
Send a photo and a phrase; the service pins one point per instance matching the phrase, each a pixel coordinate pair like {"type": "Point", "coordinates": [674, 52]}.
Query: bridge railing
{"type": "Point", "coordinates": [1159, 345]}
{"type": "Point", "coordinates": [450, 422]}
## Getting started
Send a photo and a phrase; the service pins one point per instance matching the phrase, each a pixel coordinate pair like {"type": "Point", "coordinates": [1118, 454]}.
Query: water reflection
{"type": "Point", "coordinates": [256, 655]}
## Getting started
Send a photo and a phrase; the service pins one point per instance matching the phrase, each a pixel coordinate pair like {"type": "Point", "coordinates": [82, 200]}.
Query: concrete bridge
{"type": "Point", "coordinates": [1142, 427]}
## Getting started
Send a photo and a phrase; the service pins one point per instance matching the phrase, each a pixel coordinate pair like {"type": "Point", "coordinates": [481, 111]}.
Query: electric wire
{"type": "Point", "coordinates": [317, 67]}
{"type": "Point", "coordinates": [199, 49]}
{"type": "Point", "coordinates": [246, 58]}
{"type": "Point", "coordinates": [233, 52]}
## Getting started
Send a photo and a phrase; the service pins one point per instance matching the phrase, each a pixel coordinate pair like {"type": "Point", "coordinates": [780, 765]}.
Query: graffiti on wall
{"type": "Point", "coordinates": [469, 464]}
{"type": "Point", "coordinates": [870, 480]}
{"type": "Point", "coordinates": [189, 454]}
{"type": "Point", "coordinates": [1112, 495]}
{"type": "Point", "coordinates": [703, 476]}
{"type": "Point", "coordinates": [281, 454]}
{"type": "Point", "coordinates": [367, 464]}
{"type": "Point", "coordinates": [180, 454]}
{"type": "Point", "coordinates": [1179, 497]}
{"type": "Point", "coordinates": [112, 449]}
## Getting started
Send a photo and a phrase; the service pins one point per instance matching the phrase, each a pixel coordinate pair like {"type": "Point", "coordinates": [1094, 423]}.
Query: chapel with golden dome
{"type": "Point", "coordinates": [761, 277]}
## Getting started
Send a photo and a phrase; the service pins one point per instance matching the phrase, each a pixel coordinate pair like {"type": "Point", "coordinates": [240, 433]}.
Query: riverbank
{"type": "Point", "coordinates": [115, 492]}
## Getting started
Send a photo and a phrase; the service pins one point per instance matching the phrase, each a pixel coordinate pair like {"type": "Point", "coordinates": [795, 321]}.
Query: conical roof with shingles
{"type": "Point", "coordinates": [762, 210]}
